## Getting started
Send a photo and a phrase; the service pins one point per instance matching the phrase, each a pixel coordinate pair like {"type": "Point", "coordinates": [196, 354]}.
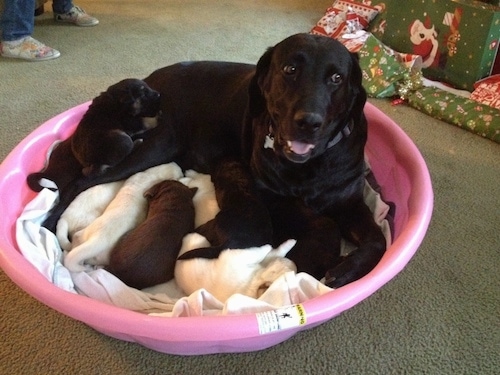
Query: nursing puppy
{"type": "Point", "coordinates": [128, 209]}
{"type": "Point", "coordinates": [318, 237]}
{"type": "Point", "coordinates": [205, 201]}
{"type": "Point", "coordinates": [111, 126]}
{"type": "Point", "coordinates": [107, 133]}
{"type": "Point", "coordinates": [245, 271]}
{"type": "Point", "coordinates": [87, 206]}
{"type": "Point", "coordinates": [61, 168]}
{"type": "Point", "coordinates": [242, 222]}
{"type": "Point", "coordinates": [146, 256]}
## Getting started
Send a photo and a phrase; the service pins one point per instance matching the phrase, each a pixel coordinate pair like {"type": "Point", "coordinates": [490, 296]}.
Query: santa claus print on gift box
{"type": "Point", "coordinates": [425, 42]}
{"type": "Point", "coordinates": [426, 39]}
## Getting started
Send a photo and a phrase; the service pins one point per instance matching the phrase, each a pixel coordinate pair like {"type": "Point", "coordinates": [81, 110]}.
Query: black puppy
{"type": "Point", "coordinates": [110, 128]}
{"type": "Point", "coordinates": [104, 136]}
{"type": "Point", "coordinates": [318, 236]}
{"type": "Point", "coordinates": [297, 120]}
{"type": "Point", "coordinates": [62, 168]}
{"type": "Point", "coordinates": [242, 222]}
{"type": "Point", "coordinates": [146, 256]}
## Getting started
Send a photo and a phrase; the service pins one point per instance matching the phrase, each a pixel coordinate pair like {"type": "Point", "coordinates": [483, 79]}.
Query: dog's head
{"type": "Point", "coordinates": [172, 191]}
{"type": "Point", "coordinates": [307, 90]}
{"type": "Point", "coordinates": [134, 97]}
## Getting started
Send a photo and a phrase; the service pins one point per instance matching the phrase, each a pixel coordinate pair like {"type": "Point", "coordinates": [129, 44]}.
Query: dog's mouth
{"type": "Point", "coordinates": [294, 147]}
{"type": "Point", "coordinates": [298, 152]}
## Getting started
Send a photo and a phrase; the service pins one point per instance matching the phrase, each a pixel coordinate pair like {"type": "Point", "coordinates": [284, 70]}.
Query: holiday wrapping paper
{"type": "Point", "coordinates": [487, 91]}
{"type": "Point", "coordinates": [469, 114]}
{"type": "Point", "coordinates": [385, 71]}
{"type": "Point", "coordinates": [457, 39]}
{"type": "Point", "coordinates": [344, 17]}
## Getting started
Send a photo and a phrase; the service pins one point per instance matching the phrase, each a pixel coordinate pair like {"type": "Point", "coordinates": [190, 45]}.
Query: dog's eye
{"type": "Point", "coordinates": [336, 79]}
{"type": "Point", "coordinates": [289, 69]}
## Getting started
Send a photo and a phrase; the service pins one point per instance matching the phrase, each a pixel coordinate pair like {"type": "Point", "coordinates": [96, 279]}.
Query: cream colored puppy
{"type": "Point", "coordinates": [205, 203]}
{"type": "Point", "coordinates": [87, 206]}
{"type": "Point", "coordinates": [93, 244]}
{"type": "Point", "coordinates": [246, 271]}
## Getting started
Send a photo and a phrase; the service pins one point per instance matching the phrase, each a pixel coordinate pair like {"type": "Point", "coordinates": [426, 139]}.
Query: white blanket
{"type": "Point", "coordinates": [41, 248]}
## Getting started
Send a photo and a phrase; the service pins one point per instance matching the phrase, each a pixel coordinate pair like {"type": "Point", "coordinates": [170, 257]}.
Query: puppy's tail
{"type": "Point", "coordinates": [62, 234]}
{"type": "Point", "coordinates": [83, 256]}
{"type": "Point", "coordinates": [33, 181]}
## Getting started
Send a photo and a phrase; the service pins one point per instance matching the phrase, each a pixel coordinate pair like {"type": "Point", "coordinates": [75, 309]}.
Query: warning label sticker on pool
{"type": "Point", "coordinates": [282, 318]}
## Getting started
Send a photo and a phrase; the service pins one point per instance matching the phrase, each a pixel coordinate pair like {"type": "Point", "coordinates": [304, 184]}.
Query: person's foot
{"type": "Point", "coordinates": [29, 49]}
{"type": "Point", "coordinates": [76, 16]}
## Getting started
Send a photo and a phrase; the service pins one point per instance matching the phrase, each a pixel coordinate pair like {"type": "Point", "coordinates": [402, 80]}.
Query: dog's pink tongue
{"type": "Point", "coordinates": [300, 148]}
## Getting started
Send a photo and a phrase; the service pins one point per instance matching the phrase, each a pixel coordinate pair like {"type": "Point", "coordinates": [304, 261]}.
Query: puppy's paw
{"type": "Point", "coordinates": [341, 274]}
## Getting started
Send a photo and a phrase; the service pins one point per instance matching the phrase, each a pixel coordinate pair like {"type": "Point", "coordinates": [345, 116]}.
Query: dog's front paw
{"type": "Point", "coordinates": [343, 273]}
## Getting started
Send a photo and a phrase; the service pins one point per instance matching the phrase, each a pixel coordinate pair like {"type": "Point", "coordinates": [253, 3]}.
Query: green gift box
{"type": "Point", "coordinates": [457, 39]}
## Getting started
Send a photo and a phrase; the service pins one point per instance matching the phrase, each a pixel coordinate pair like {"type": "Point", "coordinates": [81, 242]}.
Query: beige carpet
{"type": "Point", "coordinates": [441, 315]}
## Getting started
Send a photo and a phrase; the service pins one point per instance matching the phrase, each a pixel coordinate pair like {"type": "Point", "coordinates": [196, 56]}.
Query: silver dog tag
{"type": "Point", "coordinates": [269, 142]}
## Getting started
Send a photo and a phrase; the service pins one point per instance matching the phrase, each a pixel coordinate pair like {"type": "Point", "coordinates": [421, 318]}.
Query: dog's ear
{"type": "Point", "coordinates": [257, 102]}
{"type": "Point", "coordinates": [356, 73]}
{"type": "Point", "coordinates": [134, 106]}
{"type": "Point", "coordinates": [193, 191]}
{"type": "Point", "coordinates": [152, 191]}
{"type": "Point", "coordinates": [263, 68]}
{"type": "Point", "coordinates": [356, 86]}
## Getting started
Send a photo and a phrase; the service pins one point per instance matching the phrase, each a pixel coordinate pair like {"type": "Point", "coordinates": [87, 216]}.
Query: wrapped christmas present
{"type": "Point", "coordinates": [487, 91]}
{"type": "Point", "coordinates": [385, 70]}
{"type": "Point", "coordinates": [466, 113]}
{"type": "Point", "coordinates": [457, 39]}
{"type": "Point", "coordinates": [345, 17]}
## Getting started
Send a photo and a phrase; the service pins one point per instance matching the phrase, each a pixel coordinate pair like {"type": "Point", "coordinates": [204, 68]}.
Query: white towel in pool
{"type": "Point", "coordinates": [41, 248]}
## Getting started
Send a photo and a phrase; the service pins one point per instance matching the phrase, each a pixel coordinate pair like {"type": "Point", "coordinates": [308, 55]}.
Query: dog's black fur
{"type": "Point", "coordinates": [106, 134]}
{"type": "Point", "coordinates": [110, 128]}
{"type": "Point", "coordinates": [306, 94]}
{"type": "Point", "coordinates": [146, 256]}
{"type": "Point", "coordinates": [243, 220]}
{"type": "Point", "coordinates": [318, 236]}
{"type": "Point", "coordinates": [62, 168]}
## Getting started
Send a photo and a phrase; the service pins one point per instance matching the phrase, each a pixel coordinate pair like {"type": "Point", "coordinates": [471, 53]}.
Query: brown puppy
{"type": "Point", "coordinates": [146, 255]}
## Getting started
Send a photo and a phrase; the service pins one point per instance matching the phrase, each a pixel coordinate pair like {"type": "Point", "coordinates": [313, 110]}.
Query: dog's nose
{"type": "Point", "coordinates": [309, 121]}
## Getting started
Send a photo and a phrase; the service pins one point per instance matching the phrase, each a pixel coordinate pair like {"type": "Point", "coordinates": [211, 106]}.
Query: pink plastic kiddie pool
{"type": "Point", "coordinates": [396, 162]}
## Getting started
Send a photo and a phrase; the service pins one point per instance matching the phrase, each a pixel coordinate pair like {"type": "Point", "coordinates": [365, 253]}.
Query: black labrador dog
{"type": "Point", "coordinates": [296, 119]}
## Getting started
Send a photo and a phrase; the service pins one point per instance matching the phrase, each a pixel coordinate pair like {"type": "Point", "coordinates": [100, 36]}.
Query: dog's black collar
{"type": "Point", "coordinates": [344, 133]}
